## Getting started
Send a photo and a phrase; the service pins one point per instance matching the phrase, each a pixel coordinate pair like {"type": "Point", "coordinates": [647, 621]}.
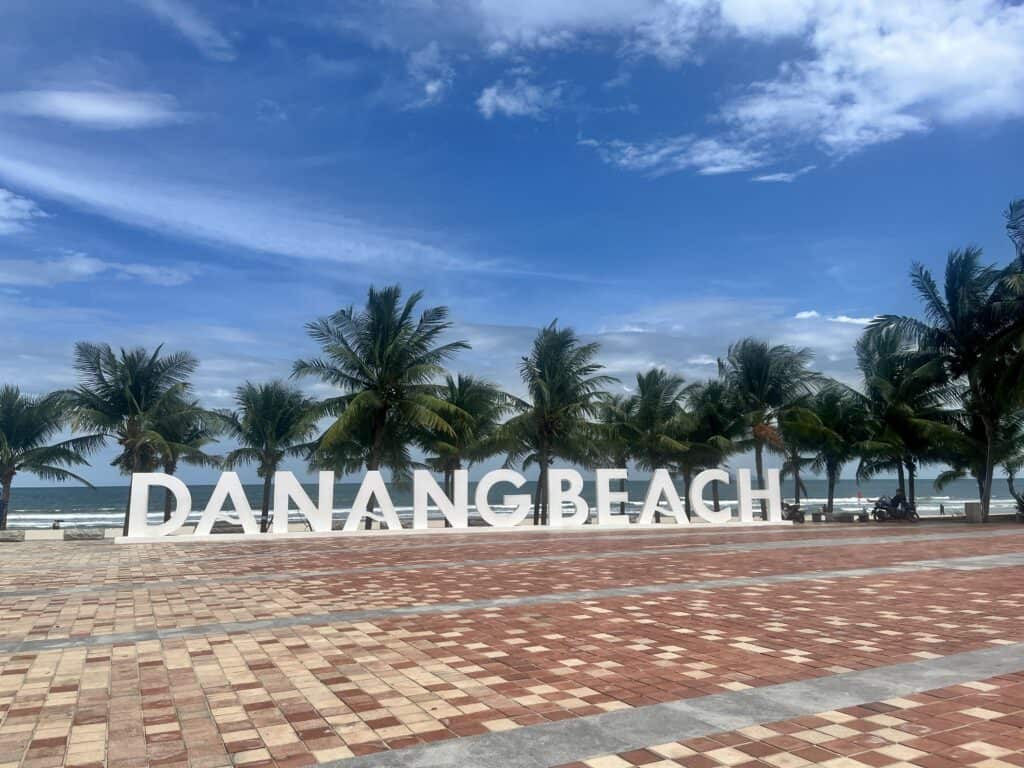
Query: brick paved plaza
{"type": "Point", "coordinates": [842, 646]}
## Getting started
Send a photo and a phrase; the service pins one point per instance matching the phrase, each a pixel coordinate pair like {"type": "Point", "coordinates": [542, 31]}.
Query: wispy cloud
{"type": "Point", "coordinates": [239, 216]}
{"type": "Point", "coordinates": [16, 213]}
{"type": "Point", "coordinates": [196, 28]}
{"type": "Point", "coordinates": [812, 314]}
{"type": "Point", "coordinates": [520, 98]}
{"type": "Point", "coordinates": [106, 109]}
{"type": "Point", "coordinates": [432, 74]}
{"type": "Point", "coordinates": [784, 177]}
{"type": "Point", "coordinates": [706, 156]}
{"type": "Point", "coordinates": [75, 267]}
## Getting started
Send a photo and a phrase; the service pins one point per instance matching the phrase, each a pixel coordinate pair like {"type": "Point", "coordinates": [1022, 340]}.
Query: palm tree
{"type": "Point", "coordinates": [658, 422]}
{"type": "Point", "coordinates": [1015, 227]}
{"type": "Point", "coordinates": [718, 427]}
{"type": "Point", "coordinates": [564, 386]}
{"type": "Point", "coordinates": [385, 361]}
{"type": "Point", "coordinates": [187, 429]}
{"type": "Point", "coordinates": [907, 398]}
{"type": "Point", "coordinates": [615, 435]}
{"type": "Point", "coordinates": [26, 426]}
{"type": "Point", "coordinates": [972, 326]}
{"type": "Point", "coordinates": [766, 380]}
{"type": "Point", "coordinates": [835, 421]}
{"type": "Point", "coordinates": [273, 421]}
{"type": "Point", "coordinates": [121, 395]}
{"type": "Point", "coordinates": [473, 409]}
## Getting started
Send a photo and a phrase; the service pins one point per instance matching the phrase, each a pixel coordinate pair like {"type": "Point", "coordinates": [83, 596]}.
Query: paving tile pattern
{"type": "Point", "coordinates": [296, 695]}
{"type": "Point", "coordinates": [978, 724]}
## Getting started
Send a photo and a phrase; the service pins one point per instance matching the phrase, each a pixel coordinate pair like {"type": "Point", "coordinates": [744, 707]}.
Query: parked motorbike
{"type": "Point", "coordinates": [792, 512]}
{"type": "Point", "coordinates": [886, 509]}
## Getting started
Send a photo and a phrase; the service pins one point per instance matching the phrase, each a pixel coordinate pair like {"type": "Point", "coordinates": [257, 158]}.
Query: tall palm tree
{"type": "Point", "coordinates": [766, 380]}
{"type": "Point", "coordinates": [121, 395]}
{"type": "Point", "coordinates": [187, 429]}
{"type": "Point", "coordinates": [719, 427]}
{"type": "Point", "coordinates": [564, 385]}
{"type": "Point", "coordinates": [26, 426]}
{"type": "Point", "coordinates": [273, 421]}
{"type": "Point", "coordinates": [658, 422]}
{"type": "Point", "coordinates": [385, 360]}
{"type": "Point", "coordinates": [473, 410]}
{"type": "Point", "coordinates": [973, 327]}
{"type": "Point", "coordinates": [615, 435]}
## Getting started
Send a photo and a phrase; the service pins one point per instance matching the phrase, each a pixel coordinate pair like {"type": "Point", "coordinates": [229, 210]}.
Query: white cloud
{"type": "Point", "coordinates": [108, 109]}
{"type": "Point", "coordinates": [850, 320]}
{"type": "Point", "coordinates": [706, 156]}
{"type": "Point", "coordinates": [197, 29]}
{"type": "Point", "coordinates": [784, 177]}
{"type": "Point", "coordinates": [806, 314]}
{"type": "Point", "coordinates": [432, 74]}
{"type": "Point", "coordinates": [75, 267]}
{"type": "Point", "coordinates": [519, 99]}
{"type": "Point", "coordinates": [879, 71]}
{"type": "Point", "coordinates": [16, 213]}
{"type": "Point", "coordinates": [239, 216]}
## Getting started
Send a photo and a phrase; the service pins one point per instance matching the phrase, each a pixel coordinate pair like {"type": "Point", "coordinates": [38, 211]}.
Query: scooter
{"type": "Point", "coordinates": [792, 512]}
{"type": "Point", "coordinates": [886, 509]}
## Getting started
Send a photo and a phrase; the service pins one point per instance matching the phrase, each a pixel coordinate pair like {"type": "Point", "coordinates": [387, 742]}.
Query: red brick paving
{"type": "Point", "coordinates": [293, 696]}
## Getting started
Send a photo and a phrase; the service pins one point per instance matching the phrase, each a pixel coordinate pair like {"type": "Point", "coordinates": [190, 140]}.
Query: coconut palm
{"type": "Point", "coordinates": [766, 380]}
{"type": "Point", "coordinates": [972, 326]}
{"type": "Point", "coordinates": [473, 409]}
{"type": "Point", "coordinates": [27, 425]}
{"type": "Point", "coordinates": [835, 422]}
{"type": "Point", "coordinates": [1015, 227]}
{"type": "Point", "coordinates": [272, 421]}
{"type": "Point", "coordinates": [615, 433]}
{"type": "Point", "coordinates": [564, 385]}
{"type": "Point", "coordinates": [908, 399]}
{"type": "Point", "coordinates": [659, 425]}
{"type": "Point", "coordinates": [187, 429]}
{"type": "Point", "coordinates": [385, 360]}
{"type": "Point", "coordinates": [120, 395]}
{"type": "Point", "coordinates": [718, 427]}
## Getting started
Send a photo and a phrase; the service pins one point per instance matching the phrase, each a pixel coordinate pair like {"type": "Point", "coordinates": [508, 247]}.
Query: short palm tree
{"type": "Point", "coordinates": [766, 380]}
{"type": "Point", "coordinates": [615, 435]}
{"type": "Point", "coordinates": [718, 430]}
{"type": "Point", "coordinates": [835, 422]}
{"type": "Point", "coordinates": [564, 384]}
{"type": "Point", "coordinates": [27, 425]}
{"type": "Point", "coordinates": [473, 409]}
{"type": "Point", "coordinates": [272, 421]}
{"type": "Point", "coordinates": [121, 395]}
{"type": "Point", "coordinates": [187, 429]}
{"type": "Point", "coordinates": [973, 327]}
{"type": "Point", "coordinates": [658, 421]}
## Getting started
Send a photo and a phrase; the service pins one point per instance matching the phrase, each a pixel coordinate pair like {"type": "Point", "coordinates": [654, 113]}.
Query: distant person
{"type": "Point", "coordinates": [899, 499]}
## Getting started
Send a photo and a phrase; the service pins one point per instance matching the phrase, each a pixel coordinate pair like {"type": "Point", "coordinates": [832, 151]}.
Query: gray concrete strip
{"type": "Point", "coordinates": [448, 563]}
{"type": "Point", "coordinates": [350, 616]}
{"type": "Point", "coordinates": [565, 741]}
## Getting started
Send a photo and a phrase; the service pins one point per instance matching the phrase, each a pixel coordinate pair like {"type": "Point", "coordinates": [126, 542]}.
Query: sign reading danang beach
{"type": "Point", "coordinates": [567, 507]}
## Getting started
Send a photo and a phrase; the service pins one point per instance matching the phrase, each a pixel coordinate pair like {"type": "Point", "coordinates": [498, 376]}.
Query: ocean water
{"type": "Point", "coordinates": [75, 506]}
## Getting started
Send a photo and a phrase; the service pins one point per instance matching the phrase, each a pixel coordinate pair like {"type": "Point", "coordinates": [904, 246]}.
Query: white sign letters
{"type": "Point", "coordinates": [566, 505]}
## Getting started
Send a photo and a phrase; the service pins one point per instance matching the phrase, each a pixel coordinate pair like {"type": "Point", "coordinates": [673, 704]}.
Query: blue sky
{"type": "Point", "coordinates": [664, 175]}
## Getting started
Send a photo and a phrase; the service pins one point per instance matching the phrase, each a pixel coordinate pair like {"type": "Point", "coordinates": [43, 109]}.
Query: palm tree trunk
{"type": "Point", "coordinates": [449, 490]}
{"type": "Point", "coordinates": [265, 509]}
{"type": "Point", "coordinates": [831, 490]}
{"type": "Point", "coordinates": [986, 481]}
{"type": "Point", "coordinates": [687, 479]}
{"type": "Point", "coordinates": [796, 482]}
{"type": "Point", "coordinates": [5, 501]}
{"type": "Point", "coordinates": [544, 500]}
{"type": "Point", "coordinates": [911, 476]}
{"type": "Point", "coordinates": [168, 495]}
{"type": "Point", "coordinates": [536, 497]}
{"type": "Point", "coordinates": [899, 473]}
{"type": "Point", "coordinates": [759, 466]}
{"type": "Point", "coordinates": [622, 489]}
{"type": "Point", "coordinates": [136, 461]}
{"type": "Point", "coordinates": [715, 497]}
